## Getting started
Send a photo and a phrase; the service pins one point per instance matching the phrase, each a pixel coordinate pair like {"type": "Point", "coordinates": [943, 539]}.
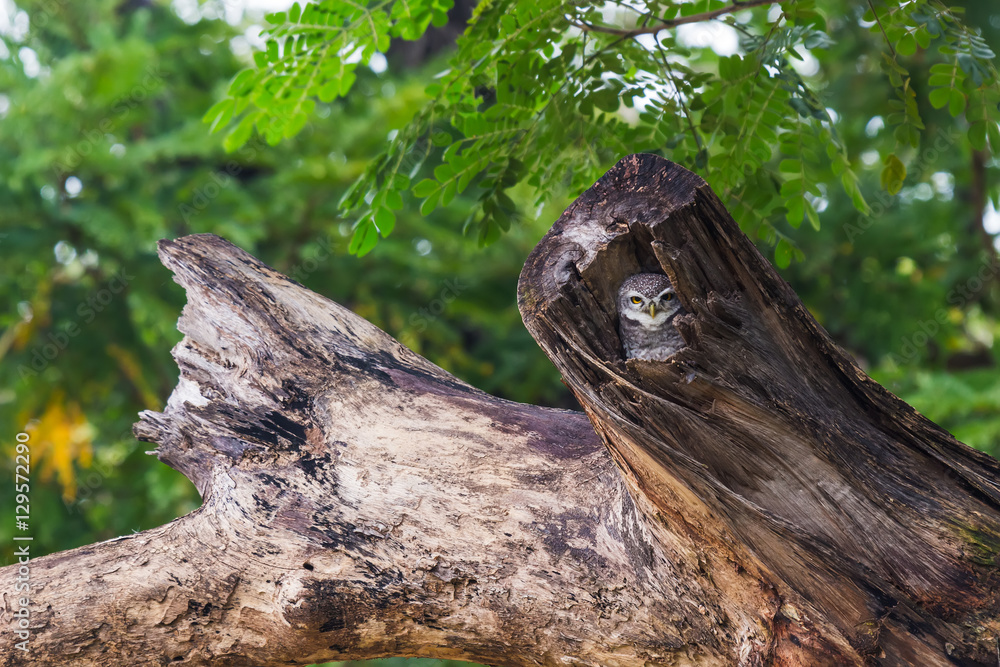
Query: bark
{"type": "Point", "coordinates": [757, 500]}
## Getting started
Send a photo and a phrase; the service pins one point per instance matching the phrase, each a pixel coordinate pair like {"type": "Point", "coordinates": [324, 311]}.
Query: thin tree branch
{"type": "Point", "coordinates": [882, 28]}
{"type": "Point", "coordinates": [680, 97]}
{"type": "Point", "coordinates": [672, 23]}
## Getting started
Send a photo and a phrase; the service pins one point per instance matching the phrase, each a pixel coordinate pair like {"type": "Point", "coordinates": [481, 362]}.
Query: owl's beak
{"type": "Point", "coordinates": [652, 310]}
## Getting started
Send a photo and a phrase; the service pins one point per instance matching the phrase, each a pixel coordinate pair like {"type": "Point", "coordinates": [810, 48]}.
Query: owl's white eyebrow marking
{"type": "Point", "coordinates": [669, 289]}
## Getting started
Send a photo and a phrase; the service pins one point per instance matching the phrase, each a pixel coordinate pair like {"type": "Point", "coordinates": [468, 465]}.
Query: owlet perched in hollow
{"type": "Point", "coordinates": [647, 307]}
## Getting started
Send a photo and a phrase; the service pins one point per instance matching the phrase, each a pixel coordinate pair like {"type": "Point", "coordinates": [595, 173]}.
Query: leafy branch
{"type": "Point", "coordinates": [550, 93]}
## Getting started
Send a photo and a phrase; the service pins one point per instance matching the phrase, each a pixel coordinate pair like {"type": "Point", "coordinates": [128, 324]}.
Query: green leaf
{"type": "Point", "coordinates": [329, 91]}
{"type": "Point", "coordinates": [893, 174]}
{"type": "Point", "coordinates": [791, 187]}
{"type": "Point", "coordinates": [796, 211]}
{"type": "Point", "coordinates": [364, 239]}
{"type": "Point", "coordinates": [438, 20]}
{"type": "Point", "coordinates": [385, 221]}
{"type": "Point", "coordinates": [850, 183]}
{"type": "Point", "coordinates": [956, 103]}
{"type": "Point", "coordinates": [219, 115]}
{"type": "Point", "coordinates": [940, 80]}
{"type": "Point", "coordinates": [489, 233]}
{"type": "Point", "coordinates": [790, 166]}
{"type": "Point", "coordinates": [765, 232]}
{"type": "Point", "coordinates": [907, 45]}
{"type": "Point", "coordinates": [812, 215]}
{"type": "Point", "coordinates": [993, 131]}
{"type": "Point", "coordinates": [443, 173]}
{"type": "Point", "coordinates": [940, 97]}
{"type": "Point", "coordinates": [448, 193]}
{"type": "Point", "coordinates": [425, 188]}
{"type": "Point", "coordinates": [294, 125]}
{"type": "Point", "coordinates": [400, 182]}
{"type": "Point", "coordinates": [606, 99]}
{"type": "Point", "coordinates": [429, 204]}
{"type": "Point", "coordinates": [818, 39]}
{"type": "Point", "coordinates": [783, 254]}
{"type": "Point", "coordinates": [394, 200]}
{"type": "Point", "coordinates": [239, 134]}
{"type": "Point", "coordinates": [923, 37]}
{"type": "Point", "coordinates": [346, 82]}
{"type": "Point", "coordinates": [977, 135]}
{"type": "Point", "coordinates": [242, 83]}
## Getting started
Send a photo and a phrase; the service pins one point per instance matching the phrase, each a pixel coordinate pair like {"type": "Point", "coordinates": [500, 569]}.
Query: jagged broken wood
{"type": "Point", "coordinates": [764, 501]}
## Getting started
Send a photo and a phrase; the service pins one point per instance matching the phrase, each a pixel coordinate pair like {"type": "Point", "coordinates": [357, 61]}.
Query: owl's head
{"type": "Point", "coordinates": [647, 298]}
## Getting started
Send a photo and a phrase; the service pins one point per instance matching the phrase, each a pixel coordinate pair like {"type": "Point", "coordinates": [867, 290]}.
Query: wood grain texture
{"type": "Point", "coordinates": [869, 520]}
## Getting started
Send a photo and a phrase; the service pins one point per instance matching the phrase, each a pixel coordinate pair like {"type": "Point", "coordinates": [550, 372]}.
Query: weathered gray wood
{"type": "Point", "coordinates": [878, 527]}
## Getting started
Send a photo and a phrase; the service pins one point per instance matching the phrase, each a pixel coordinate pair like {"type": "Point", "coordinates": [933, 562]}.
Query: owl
{"type": "Point", "coordinates": [647, 307]}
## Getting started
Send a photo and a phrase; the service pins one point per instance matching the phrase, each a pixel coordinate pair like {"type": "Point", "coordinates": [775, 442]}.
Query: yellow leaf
{"type": "Point", "coordinates": [61, 439]}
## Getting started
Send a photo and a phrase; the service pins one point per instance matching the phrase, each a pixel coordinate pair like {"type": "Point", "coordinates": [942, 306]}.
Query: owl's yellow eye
{"type": "Point", "coordinates": [636, 300]}
{"type": "Point", "coordinates": [668, 296]}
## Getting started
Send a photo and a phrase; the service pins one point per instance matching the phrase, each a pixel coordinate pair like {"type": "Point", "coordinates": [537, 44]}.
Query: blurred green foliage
{"type": "Point", "coordinates": [103, 152]}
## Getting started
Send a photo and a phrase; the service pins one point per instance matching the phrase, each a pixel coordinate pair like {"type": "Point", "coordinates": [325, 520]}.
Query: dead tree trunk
{"type": "Point", "coordinates": [874, 530]}
{"type": "Point", "coordinates": [764, 502]}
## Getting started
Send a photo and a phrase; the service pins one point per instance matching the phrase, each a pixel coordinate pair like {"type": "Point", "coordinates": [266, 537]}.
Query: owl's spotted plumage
{"type": "Point", "coordinates": [647, 307]}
